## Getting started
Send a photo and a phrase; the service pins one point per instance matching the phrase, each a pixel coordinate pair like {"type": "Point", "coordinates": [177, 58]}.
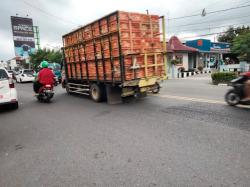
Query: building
{"type": "Point", "coordinates": [15, 63]}
{"type": "Point", "coordinates": [3, 64]}
{"type": "Point", "coordinates": [209, 52]}
{"type": "Point", "coordinates": [187, 57]}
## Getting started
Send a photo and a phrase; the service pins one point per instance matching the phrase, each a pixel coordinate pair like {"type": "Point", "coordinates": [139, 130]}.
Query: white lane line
{"type": "Point", "coordinates": [199, 100]}
{"type": "Point", "coordinates": [191, 99]}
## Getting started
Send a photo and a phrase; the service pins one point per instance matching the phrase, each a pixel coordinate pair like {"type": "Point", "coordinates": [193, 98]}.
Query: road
{"type": "Point", "coordinates": [185, 136]}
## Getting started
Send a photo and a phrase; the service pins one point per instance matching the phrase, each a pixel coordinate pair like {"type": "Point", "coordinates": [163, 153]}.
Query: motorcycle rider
{"type": "Point", "coordinates": [247, 86]}
{"type": "Point", "coordinates": [44, 77]}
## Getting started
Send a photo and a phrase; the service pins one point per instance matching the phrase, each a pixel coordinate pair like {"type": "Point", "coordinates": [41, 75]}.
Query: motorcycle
{"type": "Point", "coordinates": [236, 95]}
{"type": "Point", "coordinates": [45, 93]}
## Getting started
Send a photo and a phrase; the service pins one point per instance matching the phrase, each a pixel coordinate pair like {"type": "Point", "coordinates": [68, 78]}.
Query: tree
{"type": "Point", "coordinates": [241, 46]}
{"type": "Point", "coordinates": [45, 54]}
{"type": "Point", "coordinates": [231, 33]}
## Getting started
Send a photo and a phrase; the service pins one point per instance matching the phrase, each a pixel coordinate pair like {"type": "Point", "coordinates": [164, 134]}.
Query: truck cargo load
{"type": "Point", "coordinates": [115, 56]}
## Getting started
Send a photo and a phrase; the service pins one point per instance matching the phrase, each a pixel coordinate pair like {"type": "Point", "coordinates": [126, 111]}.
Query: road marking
{"type": "Point", "coordinates": [199, 100]}
{"type": "Point", "coordinates": [191, 99]}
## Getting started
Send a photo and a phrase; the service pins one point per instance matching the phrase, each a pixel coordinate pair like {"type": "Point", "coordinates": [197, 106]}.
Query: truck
{"type": "Point", "coordinates": [116, 56]}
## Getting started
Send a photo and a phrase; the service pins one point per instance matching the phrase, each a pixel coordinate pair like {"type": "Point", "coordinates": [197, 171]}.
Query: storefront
{"type": "Point", "coordinates": [211, 54]}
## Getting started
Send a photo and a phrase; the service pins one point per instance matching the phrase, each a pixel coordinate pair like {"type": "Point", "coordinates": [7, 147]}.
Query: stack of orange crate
{"type": "Point", "coordinates": [139, 33]}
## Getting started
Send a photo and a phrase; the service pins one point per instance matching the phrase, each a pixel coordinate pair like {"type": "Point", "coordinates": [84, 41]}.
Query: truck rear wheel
{"type": "Point", "coordinates": [68, 89]}
{"type": "Point", "coordinates": [157, 89]}
{"type": "Point", "coordinates": [96, 92]}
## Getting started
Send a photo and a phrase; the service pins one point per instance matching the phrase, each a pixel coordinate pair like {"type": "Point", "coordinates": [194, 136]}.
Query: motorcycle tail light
{"type": "Point", "coordinates": [48, 86]}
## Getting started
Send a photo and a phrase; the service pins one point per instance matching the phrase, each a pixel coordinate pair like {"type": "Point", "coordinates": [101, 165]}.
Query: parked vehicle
{"type": "Point", "coordinates": [25, 75]}
{"type": "Point", "coordinates": [116, 56]}
{"type": "Point", "coordinates": [45, 93]}
{"type": "Point", "coordinates": [10, 73]}
{"type": "Point", "coordinates": [8, 93]}
{"type": "Point", "coordinates": [236, 95]}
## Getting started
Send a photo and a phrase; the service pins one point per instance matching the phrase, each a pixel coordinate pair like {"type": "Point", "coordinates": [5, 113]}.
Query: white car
{"type": "Point", "coordinates": [25, 75]}
{"type": "Point", "coordinates": [8, 93]}
{"type": "Point", "coordinates": [10, 72]}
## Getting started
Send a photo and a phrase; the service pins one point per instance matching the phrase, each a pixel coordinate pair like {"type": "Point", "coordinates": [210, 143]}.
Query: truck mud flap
{"type": "Point", "coordinates": [113, 95]}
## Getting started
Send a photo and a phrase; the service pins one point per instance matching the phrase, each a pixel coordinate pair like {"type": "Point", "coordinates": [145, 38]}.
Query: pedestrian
{"type": "Point", "coordinates": [216, 64]}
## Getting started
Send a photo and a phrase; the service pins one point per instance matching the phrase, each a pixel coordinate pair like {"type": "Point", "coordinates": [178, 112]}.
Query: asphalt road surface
{"type": "Point", "coordinates": [184, 136]}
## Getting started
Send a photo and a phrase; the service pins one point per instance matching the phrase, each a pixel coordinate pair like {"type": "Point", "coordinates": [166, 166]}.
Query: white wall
{"type": "Point", "coordinates": [185, 60]}
{"type": "Point", "coordinates": [13, 64]}
{"type": "Point", "coordinates": [173, 70]}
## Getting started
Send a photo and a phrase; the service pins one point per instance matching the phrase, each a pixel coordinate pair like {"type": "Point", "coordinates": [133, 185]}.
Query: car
{"type": "Point", "coordinates": [8, 93]}
{"type": "Point", "coordinates": [25, 75]}
{"type": "Point", "coordinates": [10, 73]}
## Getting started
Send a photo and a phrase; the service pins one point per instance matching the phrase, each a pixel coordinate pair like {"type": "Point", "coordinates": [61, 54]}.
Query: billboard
{"type": "Point", "coordinates": [23, 36]}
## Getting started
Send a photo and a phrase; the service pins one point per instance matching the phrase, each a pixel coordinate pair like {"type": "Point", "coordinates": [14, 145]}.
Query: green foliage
{"type": "Point", "coordinates": [200, 68]}
{"type": "Point", "coordinates": [181, 69]}
{"type": "Point", "coordinates": [175, 62]}
{"type": "Point", "coordinates": [223, 77]}
{"type": "Point", "coordinates": [45, 54]}
{"type": "Point", "coordinates": [241, 46]}
{"type": "Point", "coordinates": [231, 33]}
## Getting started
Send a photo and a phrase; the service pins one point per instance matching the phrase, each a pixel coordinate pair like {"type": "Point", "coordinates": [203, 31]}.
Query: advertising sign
{"type": "Point", "coordinates": [201, 44]}
{"type": "Point", "coordinates": [23, 36]}
{"type": "Point", "coordinates": [218, 45]}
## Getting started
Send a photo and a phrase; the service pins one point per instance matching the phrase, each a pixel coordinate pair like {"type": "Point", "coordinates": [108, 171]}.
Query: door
{"type": "Point", "coordinates": [4, 87]}
{"type": "Point", "coordinates": [190, 61]}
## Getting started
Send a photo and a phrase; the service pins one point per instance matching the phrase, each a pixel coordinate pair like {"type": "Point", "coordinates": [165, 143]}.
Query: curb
{"type": "Point", "coordinates": [222, 84]}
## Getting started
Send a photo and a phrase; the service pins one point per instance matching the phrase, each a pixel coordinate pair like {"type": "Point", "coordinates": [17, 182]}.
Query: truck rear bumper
{"type": "Point", "coordinates": [141, 86]}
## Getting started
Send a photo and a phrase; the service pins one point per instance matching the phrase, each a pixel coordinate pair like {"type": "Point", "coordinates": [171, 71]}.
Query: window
{"type": "Point", "coordinates": [3, 74]}
{"type": "Point", "coordinates": [28, 72]}
{"type": "Point", "coordinates": [180, 59]}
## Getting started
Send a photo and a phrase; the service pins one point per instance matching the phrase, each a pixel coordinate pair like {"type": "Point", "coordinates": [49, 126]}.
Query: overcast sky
{"type": "Point", "coordinates": [58, 17]}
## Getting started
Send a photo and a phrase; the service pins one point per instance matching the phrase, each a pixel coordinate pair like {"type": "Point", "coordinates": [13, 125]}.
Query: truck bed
{"type": "Point", "coordinates": [118, 48]}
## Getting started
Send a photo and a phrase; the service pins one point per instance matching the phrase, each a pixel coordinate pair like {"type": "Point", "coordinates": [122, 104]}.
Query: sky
{"type": "Point", "coordinates": [58, 17]}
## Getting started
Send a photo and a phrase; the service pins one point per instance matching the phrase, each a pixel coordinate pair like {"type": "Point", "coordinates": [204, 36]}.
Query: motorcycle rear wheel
{"type": "Point", "coordinates": [232, 98]}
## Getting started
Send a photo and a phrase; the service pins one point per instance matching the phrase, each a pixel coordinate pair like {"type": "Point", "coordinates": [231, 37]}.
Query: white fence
{"type": "Point", "coordinates": [242, 67]}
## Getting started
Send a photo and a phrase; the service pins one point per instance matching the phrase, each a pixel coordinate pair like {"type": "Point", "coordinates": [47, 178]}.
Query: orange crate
{"type": "Point", "coordinates": [78, 71]}
{"type": "Point", "coordinates": [104, 26]}
{"type": "Point", "coordinates": [69, 71]}
{"type": "Point", "coordinates": [139, 33]}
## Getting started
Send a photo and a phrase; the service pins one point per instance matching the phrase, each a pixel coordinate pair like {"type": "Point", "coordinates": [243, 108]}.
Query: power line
{"type": "Point", "coordinates": [212, 12]}
{"type": "Point", "coordinates": [222, 26]}
{"type": "Point", "coordinates": [244, 3]}
{"type": "Point", "coordinates": [49, 14]}
{"type": "Point", "coordinates": [218, 20]}
{"type": "Point", "coordinates": [218, 1]}
{"type": "Point", "coordinates": [210, 34]}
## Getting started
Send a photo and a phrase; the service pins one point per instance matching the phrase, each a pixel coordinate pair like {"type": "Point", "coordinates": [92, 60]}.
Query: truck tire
{"type": "Point", "coordinates": [157, 89]}
{"type": "Point", "coordinates": [68, 90]}
{"type": "Point", "coordinates": [96, 92]}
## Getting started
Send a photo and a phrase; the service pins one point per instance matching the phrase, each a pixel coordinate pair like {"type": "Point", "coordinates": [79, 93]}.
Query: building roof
{"type": "Point", "coordinates": [17, 58]}
{"type": "Point", "coordinates": [175, 45]}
